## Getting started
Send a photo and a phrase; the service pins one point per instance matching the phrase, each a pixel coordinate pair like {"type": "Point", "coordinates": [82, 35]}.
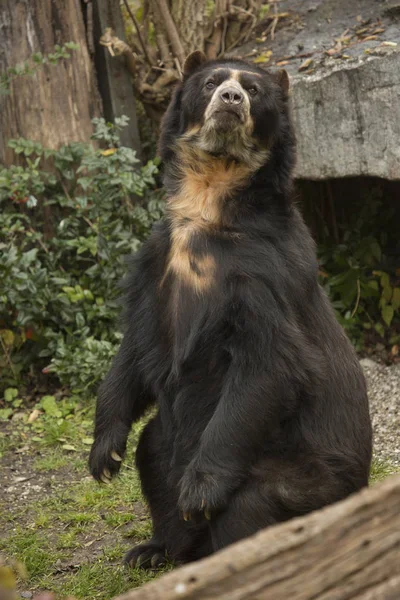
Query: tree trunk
{"type": "Point", "coordinates": [189, 17]}
{"type": "Point", "coordinates": [350, 550]}
{"type": "Point", "coordinates": [180, 27]}
{"type": "Point", "coordinates": [114, 78]}
{"type": "Point", "coordinates": [56, 104]}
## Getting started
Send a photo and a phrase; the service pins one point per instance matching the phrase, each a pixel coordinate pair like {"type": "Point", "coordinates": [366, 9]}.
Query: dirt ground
{"type": "Point", "coordinates": [72, 533]}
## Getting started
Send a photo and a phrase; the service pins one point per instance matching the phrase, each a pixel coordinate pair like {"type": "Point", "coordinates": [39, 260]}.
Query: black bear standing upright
{"type": "Point", "coordinates": [262, 406]}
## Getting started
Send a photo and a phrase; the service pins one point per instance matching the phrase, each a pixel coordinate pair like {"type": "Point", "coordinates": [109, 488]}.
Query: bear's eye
{"type": "Point", "coordinates": [210, 85]}
{"type": "Point", "coordinates": [252, 91]}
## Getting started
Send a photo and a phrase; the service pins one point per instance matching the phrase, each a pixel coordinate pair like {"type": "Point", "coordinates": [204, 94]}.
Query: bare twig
{"type": "Point", "coordinates": [358, 298]}
{"type": "Point", "coordinates": [7, 355]}
{"type": "Point", "coordinates": [333, 213]}
{"type": "Point", "coordinates": [146, 19]}
{"type": "Point", "coordinates": [91, 225]}
{"type": "Point", "coordinates": [223, 38]}
{"type": "Point", "coordinates": [118, 47]}
{"type": "Point", "coordinates": [178, 67]}
{"type": "Point", "coordinates": [275, 22]}
{"type": "Point", "coordinates": [214, 40]}
{"type": "Point", "coordinates": [39, 240]}
{"type": "Point", "coordinates": [163, 48]}
{"type": "Point", "coordinates": [89, 26]}
{"type": "Point", "coordinates": [42, 245]}
{"type": "Point", "coordinates": [136, 24]}
{"type": "Point", "coordinates": [246, 33]}
{"type": "Point", "coordinates": [171, 30]}
{"type": "Point", "coordinates": [295, 56]}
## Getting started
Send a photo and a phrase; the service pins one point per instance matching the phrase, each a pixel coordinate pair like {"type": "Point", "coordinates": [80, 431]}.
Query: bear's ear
{"type": "Point", "coordinates": [282, 78]}
{"type": "Point", "coordinates": [193, 61]}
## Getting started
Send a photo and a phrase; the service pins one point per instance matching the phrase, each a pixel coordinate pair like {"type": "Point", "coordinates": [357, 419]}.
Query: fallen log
{"type": "Point", "coordinates": [350, 550]}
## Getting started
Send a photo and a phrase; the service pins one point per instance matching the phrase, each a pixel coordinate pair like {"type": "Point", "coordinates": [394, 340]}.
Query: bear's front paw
{"type": "Point", "coordinates": [105, 459]}
{"type": "Point", "coordinates": [202, 493]}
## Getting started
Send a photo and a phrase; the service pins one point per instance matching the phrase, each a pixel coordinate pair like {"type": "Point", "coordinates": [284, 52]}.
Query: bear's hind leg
{"type": "Point", "coordinates": [173, 538]}
{"type": "Point", "coordinates": [277, 490]}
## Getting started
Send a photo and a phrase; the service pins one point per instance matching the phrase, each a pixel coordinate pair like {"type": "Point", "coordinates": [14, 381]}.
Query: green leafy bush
{"type": "Point", "coordinates": [67, 220]}
{"type": "Point", "coordinates": [362, 284]}
{"type": "Point", "coordinates": [69, 217]}
{"type": "Point", "coordinates": [36, 61]}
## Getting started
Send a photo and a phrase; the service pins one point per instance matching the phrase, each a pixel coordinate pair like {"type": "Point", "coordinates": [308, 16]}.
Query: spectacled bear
{"type": "Point", "coordinates": [262, 410]}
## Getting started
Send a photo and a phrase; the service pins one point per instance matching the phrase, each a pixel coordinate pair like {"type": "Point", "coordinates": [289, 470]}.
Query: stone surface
{"type": "Point", "coordinates": [347, 120]}
{"type": "Point", "coordinates": [384, 397]}
{"type": "Point", "coordinates": [343, 58]}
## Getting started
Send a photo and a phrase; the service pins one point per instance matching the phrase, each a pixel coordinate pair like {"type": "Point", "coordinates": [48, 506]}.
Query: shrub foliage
{"type": "Point", "coordinates": [67, 220]}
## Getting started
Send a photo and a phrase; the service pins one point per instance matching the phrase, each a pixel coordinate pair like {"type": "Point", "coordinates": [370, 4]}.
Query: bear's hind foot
{"type": "Point", "coordinates": [150, 555]}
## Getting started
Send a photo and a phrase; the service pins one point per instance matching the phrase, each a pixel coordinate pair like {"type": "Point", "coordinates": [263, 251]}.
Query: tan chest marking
{"type": "Point", "coordinates": [197, 272]}
{"type": "Point", "coordinates": [206, 184]}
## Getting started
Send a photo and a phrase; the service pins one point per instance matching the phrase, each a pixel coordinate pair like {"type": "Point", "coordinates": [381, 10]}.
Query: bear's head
{"type": "Point", "coordinates": [227, 108]}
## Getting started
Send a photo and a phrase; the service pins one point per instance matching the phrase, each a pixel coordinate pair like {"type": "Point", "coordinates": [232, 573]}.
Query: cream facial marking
{"type": "Point", "coordinates": [229, 83]}
{"type": "Point", "coordinates": [236, 72]}
{"type": "Point", "coordinates": [236, 139]}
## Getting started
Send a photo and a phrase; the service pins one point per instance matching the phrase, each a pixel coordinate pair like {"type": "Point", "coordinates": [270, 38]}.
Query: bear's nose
{"type": "Point", "coordinates": [231, 96]}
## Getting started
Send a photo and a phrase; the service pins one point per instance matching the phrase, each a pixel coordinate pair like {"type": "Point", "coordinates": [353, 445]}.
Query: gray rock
{"type": "Point", "coordinates": [384, 397]}
{"type": "Point", "coordinates": [347, 119]}
{"type": "Point", "coordinates": [346, 103]}
{"type": "Point", "coordinates": [26, 594]}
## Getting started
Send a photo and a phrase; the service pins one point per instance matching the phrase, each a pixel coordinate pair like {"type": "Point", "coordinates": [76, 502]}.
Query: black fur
{"type": "Point", "coordinates": [262, 412]}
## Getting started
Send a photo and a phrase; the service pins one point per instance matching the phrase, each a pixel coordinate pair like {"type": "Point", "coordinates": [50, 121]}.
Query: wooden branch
{"type": "Point", "coordinates": [118, 47]}
{"type": "Point", "coordinates": [171, 30]}
{"type": "Point", "coordinates": [161, 40]}
{"type": "Point", "coordinates": [350, 550]}
{"type": "Point", "coordinates": [162, 45]}
{"type": "Point", "coordinates": [213, 43]}
{"type": "Point", "coordinates": [115, 76]}
{"type": "Point", "coordinates": [136, 24]}
{"type": "Point", "coordinates": [89, 26]}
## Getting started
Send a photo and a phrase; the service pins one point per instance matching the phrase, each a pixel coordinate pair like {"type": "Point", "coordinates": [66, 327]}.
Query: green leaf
{"type": "Point", "coordinates": [387, 314]}
{"type": "Point", "coordinates": [68, 447]}
{"type": "Point", "coordinates": [88, 441]}
{"type": "Point", "coordinates": [85, 182]}
{"type": "Point", "coordinates": [32, 202]}
{"type": "Point", "coordinates": [80, 320]}
{"type": "Point", "coordinates": [5, 413]}
{"type": "Point", "coordinates": [263, 58]}
{"type": "Point", "coordinates": [396, 298]}
{"type": "Point", "coordinates": [71, 46]}
{"type": "Point", "coordinates": [10, 394]}
{"type": "Point", "coordinates": [50, 407]}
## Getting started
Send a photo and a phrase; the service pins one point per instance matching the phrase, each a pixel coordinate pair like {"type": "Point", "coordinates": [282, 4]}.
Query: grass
{"type": "Point", "coordinates": [72, 535]}
{"type": "Point", "coordinates": [33, 550]}
{"type": "Point", "coordinates": [381, 469]}
{"type": "Point", "coordinates": [51, 462]}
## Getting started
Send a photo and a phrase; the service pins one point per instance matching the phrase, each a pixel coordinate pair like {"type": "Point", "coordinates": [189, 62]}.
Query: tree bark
{"type": "Point", "coordinates": [189, 16]}
{"type": "Point", "coordinates": [350, 550]}
{"type": "Point", "coordinates": [180, 27]}
{"type": "Point", "coordinates": [56, 104]}
{"type": "Point", "coordinates": [115, 74]}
